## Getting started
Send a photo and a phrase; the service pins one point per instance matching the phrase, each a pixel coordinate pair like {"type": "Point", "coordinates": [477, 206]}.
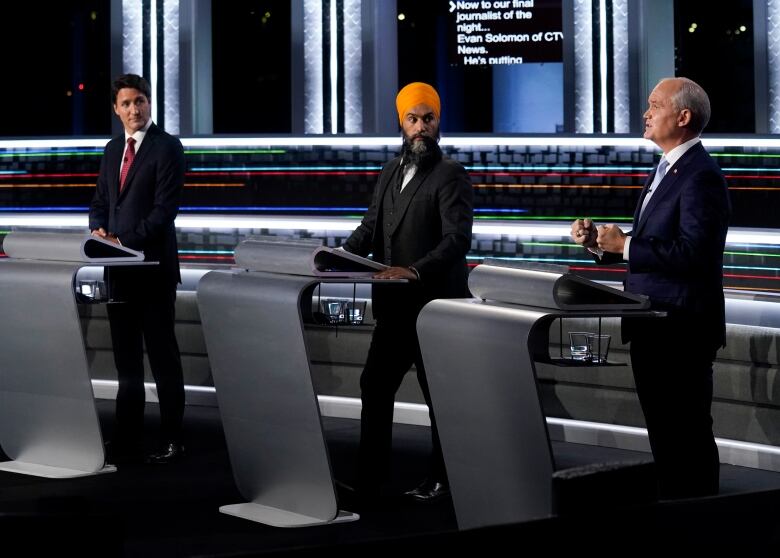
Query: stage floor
{"type": "Point", "coordinates": [172, 510]}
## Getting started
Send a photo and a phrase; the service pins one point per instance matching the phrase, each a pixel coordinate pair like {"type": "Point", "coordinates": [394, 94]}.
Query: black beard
{"type": "Point", "coordinates": [422, 156]}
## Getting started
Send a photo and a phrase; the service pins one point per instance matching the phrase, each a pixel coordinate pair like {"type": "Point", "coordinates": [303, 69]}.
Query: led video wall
{"type": "Point", "coordinates": [527, 190]}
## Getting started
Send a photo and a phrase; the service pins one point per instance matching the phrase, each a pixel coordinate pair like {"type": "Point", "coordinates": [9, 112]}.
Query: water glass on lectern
{"type": "Point", "coordinates": [333, 310]}
{"type": "Point", "coordinates": [356, 311]}
{"type": "Point", "coordinates": [87, 288]}
{"type": "Point", "coordinates": [578, 344]}
{"type": "Point", "coordinates": [599, 347]}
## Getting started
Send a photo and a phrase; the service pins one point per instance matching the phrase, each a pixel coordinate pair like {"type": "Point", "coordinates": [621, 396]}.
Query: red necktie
{"type": "Point", "coordinates": [127, 162]}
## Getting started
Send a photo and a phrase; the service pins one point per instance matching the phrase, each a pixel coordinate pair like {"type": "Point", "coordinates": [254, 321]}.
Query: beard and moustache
{"type": "Point", "coordinates": [423, 153]}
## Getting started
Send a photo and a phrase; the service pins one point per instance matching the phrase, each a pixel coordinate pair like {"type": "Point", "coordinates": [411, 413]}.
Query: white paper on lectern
{"type": "Point", "coordinates": [96, 249]}
{"type": "Point", "coordinates": [67, 247]}
{"type": "Point", "coordinates": [301, 257]}
{"type": "Point", "coordinates": [547, 286]}
{"type": "Point", "coordinates": [330, 262]}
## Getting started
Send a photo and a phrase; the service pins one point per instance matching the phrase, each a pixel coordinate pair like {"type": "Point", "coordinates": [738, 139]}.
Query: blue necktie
{"type": "Point", "coordinates": [659, 175]}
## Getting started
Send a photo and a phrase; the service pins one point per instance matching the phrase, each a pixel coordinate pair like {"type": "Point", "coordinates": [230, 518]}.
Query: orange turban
{"type": "Point", "coordinates": [414, 94]}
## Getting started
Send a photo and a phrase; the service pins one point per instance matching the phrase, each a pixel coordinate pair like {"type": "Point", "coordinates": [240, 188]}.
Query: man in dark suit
{"type": "Point", "coordinates": [675, 257]}
{"type": "Point", "coordinates": [135, 204]}
{"type": "Point", "coordinates": [419, 224]}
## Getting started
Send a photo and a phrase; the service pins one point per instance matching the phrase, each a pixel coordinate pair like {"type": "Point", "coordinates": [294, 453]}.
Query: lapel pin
{"type": "Point", "coordinates": [674, 171]}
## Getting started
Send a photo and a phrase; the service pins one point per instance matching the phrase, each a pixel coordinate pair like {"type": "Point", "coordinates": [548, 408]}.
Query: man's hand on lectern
{"type": "Point", "coordinates": [101, 233]}
{"type": "Point", "coordinates": [396, 273]}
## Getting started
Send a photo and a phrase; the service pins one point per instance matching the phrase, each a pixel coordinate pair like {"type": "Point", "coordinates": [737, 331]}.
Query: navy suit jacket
{"type": "Point", "coordinates": [142, 215]}
{"type": "Point", "coordinates": [676, 251]}
{"type": "Point", "coordinates": [431, 231]}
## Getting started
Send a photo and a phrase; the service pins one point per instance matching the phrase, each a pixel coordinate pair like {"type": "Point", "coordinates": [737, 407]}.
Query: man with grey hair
{"type": "Point", "coordinates": [675, 257]}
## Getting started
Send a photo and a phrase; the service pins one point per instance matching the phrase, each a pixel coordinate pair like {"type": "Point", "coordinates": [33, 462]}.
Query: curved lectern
{"type": "Point", "coordinates": [48, 422]}
{"type": "Point", "coordinates": [479, 359]}
{"type": "Point", "coordinates": [253, 325]}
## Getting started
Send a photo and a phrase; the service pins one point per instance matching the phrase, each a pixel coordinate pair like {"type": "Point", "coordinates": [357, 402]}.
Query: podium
{"type": "Point", "coordinates": [48, 421]}
{"type": "Point", "coordinates": [253, 325]}
{"type": "Point", "coordinates": [479, 357]}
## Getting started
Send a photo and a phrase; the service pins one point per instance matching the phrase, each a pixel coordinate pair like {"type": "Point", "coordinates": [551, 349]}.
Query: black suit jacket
{"type": "Point", "coordinates": [676, 251]}
{"type": "Point", "coordinates": [431, 231]}
{"type": "Point", "coordinates": [142, 216]}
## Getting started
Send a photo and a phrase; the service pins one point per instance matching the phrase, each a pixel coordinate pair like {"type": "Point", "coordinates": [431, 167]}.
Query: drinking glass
{"type": "Point", "coordinates": [578, 344]}
{"type": "Point", "coordinates": [599, 347]}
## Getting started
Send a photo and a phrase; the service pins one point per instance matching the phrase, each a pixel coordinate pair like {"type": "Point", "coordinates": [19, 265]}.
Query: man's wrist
{"type": "Point", "coordinates": [414, 270]}
{"type": "Point", "coordinates": [596, 250]}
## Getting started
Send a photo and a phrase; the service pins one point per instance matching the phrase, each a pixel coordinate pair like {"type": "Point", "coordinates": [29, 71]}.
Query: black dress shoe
{"type": "Point", "coordinates": [430, 490]}
{"type": "Point", "coordinates": [171, 452]}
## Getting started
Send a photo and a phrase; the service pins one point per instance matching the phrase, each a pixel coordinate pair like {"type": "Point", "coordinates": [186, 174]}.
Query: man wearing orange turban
{"type": "Point", "coordinates": [419, 225]}
{"type": "Point", "coordinates": [414, 94]}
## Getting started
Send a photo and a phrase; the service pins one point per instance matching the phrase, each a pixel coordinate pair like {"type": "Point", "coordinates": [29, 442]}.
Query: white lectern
{"type": "Point", "coordinates": [48, 421]}
{"type": "Point", "coordinates": [479, 359]}
{"type": "Point", "coordinates": [253, 325]}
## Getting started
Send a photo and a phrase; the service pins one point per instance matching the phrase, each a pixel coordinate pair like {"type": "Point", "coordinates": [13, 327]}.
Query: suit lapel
{"type": "Point", "coordinates": [143, 151]}
{"type": "Point", "coordinates": [384, 184]}
{"type": "Point", "coordinates": [113, 163]}
{"type": "Point", "coordinates": [648, 182]}
{"type": "Point", "coordinates": [666, 186]}
{"type": "Point", "coordinates": [406, 196]}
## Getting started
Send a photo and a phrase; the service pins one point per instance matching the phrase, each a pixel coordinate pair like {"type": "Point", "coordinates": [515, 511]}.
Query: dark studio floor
{"type": "Point", "coordinates": [172, 510]}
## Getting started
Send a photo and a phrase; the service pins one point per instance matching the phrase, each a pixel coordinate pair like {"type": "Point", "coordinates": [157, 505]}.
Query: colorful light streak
{"type": "Point", "coordinates": [97, 152]}
{"type": "Point", "coordinates": [553, 218]}
{"type": "Point", "coordinates": [48, 185]}
{"type": "Point", "coordinates": [24, 174]}
{"type": "Point", "coordinates": [374, 170]}
{"type": "Point", "coordinates": [268, 208]}
{"type": "Point", "coordinates": [746, 155]}
{"type": "Point", "coordinates": [44, 209]}
{"type": "Point", "coordinates": [194, 257]}
{"type": "Point", "coordinates": [287, 173]}
{"type": "Point", "coordinates": [763, 277]}
{"type": "Point", "coordinates": [749, 245]}
{"type": "Point", "coordinates": [751, 289]}
{"type": "Point", "coordinates": [92, 185]}
{"type": "Point", "coordinates": [530, 259]}
{"type": "Point", "coordinates": [296, 168]}
{"type": "Point", "coordinates": [214, 185]}
{"type": "Point", "coordinates": [751, 176]}
{"type": "Point", "coordinates": [752, 254]}
{"type": "Point", "coordinates": [561, 186]}
{"type": "Point", "coordinates": [270, 142]}
{"type": "Point", "coordinates": [746, 267]}
{"type": "Point", "coordinates": [235, 151]}
{"type": "Point", "coordinates": [491, 168]}
{"type": "Point", "coordinates": [217, 252]}
{"type": "Point", "coordinates": [71, 153]}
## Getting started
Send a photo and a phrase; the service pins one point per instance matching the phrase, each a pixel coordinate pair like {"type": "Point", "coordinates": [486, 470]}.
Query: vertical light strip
{"type": "Point", "coordinates": [583, 67]}
{"type": "Point", "coordinates": [773, 61]}
{"type": "Point", "coordinates": [603, 62]}
{"type": "Point", "coordinates": [171, 65]}
{"type": "Point", "coordinates": [620, 98]}
{"type": "Point", "coordinates": [153, 56]}
{"type": "Point", "coordinates": [132, 37]}
{"type": "Point", "coordinates": [334, 69]}
{"type": "Point", "coordinates": [353, 67]}
{"type": "Point", "coordinates": [313, 119]}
